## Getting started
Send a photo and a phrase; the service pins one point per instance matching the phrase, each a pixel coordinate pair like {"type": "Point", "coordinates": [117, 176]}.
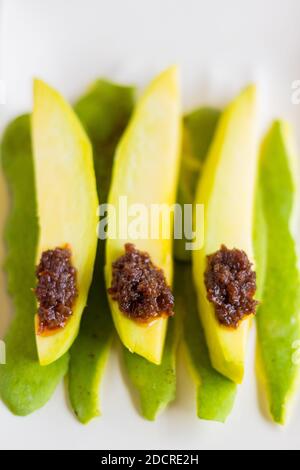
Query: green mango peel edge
{"type": "Point", "coordinates": [278, 317]}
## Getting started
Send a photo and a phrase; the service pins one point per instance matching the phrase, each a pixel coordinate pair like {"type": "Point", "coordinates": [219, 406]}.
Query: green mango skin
{"type": "Point", "coordinates": [156, 384]}
{"type": "Point", "coordinates": [260, 241]}
{"type": "Point", "coordinates": [278, 320]}
{"type": "Point", "coordinates": [198, 131]}
{"type": "Point", "coordinates": [215, 393]}
{"type": "Point", "coordinates": [104, 112]}
{"type": "Point", "coordinates": [25, 386]}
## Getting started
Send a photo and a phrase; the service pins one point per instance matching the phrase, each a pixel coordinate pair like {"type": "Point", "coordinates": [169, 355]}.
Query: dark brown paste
{"type": "Point", "coordinates": [231, 285]}
{"type": "Point", "coordinates": [139, 287]}
{"type": "Point", "coordinates": [56, 288]}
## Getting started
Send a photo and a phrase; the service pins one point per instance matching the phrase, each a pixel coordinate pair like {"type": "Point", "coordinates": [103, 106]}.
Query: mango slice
{"type": "Point", "coordinates": [145, 172]}
{"type": "Point", "coordinates": [25, 385]}
{"type": "Point", "coordinates": [67, 202]}
{"type": "Point", "coordinates": [278, 317]}
{"type": "Point", "coordinates": [215, 393]}
{"type": "Point", "coordinates": [104, 112]}
{"type": "Point", "coordinates": [227, 190]}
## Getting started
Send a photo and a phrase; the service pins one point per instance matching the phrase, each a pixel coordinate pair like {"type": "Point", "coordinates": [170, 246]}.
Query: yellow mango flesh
{"type": "Point", "coordinates": [227, 190]}
{"type": "Point", "coordinates": [145, 171]}
{"type": "Point", "coordinates": [67, 202]}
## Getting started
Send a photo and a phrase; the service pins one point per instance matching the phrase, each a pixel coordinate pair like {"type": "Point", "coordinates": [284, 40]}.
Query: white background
{"type": "Point", "coordinates": [220, 46]}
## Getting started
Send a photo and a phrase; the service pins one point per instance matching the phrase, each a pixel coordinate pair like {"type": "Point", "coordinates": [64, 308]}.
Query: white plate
{"type": "Point", "coordinates": [220, 46]}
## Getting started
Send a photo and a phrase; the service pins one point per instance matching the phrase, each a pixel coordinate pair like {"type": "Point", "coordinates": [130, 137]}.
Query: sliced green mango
{"type": "Point", "coordinates": [145, 172]}
{"type": "Point", "coordinates": [104, 112]}
{"type": "Point", "coordinates": [227, 190]}
{"type": "Point", "coordinates": [278, 318]}
{"type": "Point", "coordinates": [215, 393]}
{"type": "Point", "coordinates": [67, 202]}
{"type": "Point", "coordinates": [25, 386]}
